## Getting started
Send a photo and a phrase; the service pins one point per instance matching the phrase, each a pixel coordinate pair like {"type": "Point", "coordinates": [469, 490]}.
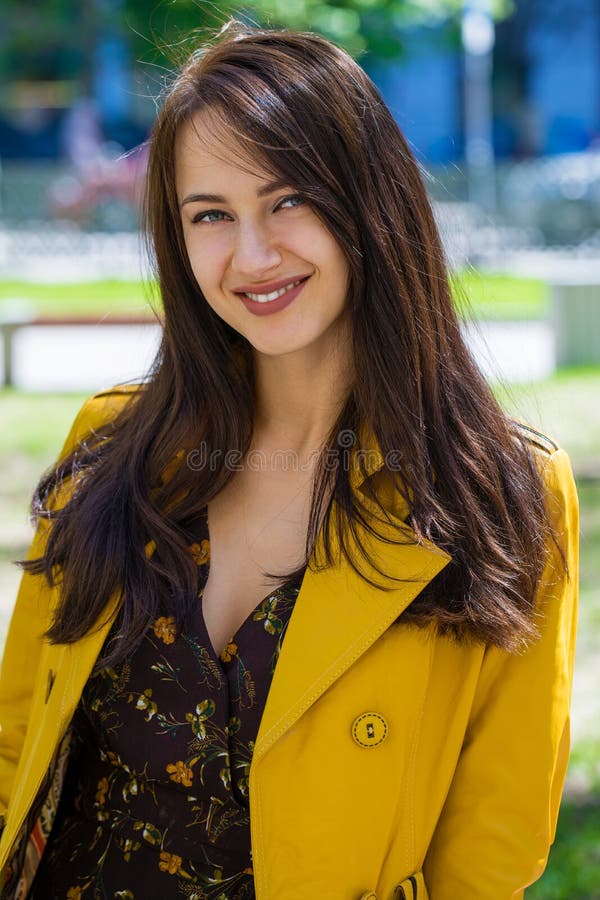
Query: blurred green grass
{"type": "Point", "coordinates": [94, 298]}
{"type": "Point", "coordinates": [499, 297]}
{"type": "Point", "coordinates": [564, 406]}
{"type": "Point", "coordinates": [573, 872]}
{"type": "Point", "coordinates": [487, 296]}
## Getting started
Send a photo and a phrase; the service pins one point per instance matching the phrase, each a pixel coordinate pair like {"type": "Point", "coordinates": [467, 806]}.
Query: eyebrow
{"type": "Point", "coordinates": [269, 188]}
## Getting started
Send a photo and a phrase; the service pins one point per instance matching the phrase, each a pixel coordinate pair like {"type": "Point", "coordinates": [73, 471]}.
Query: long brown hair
{"type": "Point", "coordinates": [466, 472]}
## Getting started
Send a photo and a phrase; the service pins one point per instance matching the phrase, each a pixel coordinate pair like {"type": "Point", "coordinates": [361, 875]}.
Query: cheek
{"type": "Point", "coordinates": [331, 257]}
{"type": "Point", "coordinates": [339, 268]}
{"type": "Point", "coordinates": [207, 262]}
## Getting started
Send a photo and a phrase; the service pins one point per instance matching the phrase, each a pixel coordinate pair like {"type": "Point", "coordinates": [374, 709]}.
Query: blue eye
{"type": "Point", "coordinates": [209, 216]}
{"type": "Point", "coordinates": [293, 200]}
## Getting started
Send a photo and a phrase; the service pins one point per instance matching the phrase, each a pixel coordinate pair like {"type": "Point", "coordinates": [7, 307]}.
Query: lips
{"type": "Point", "coordinates": [268, 293]}
{"type": "Point", "coordinates": [281, 299]}
{"type": "Point", "coordinates": [274, 295]}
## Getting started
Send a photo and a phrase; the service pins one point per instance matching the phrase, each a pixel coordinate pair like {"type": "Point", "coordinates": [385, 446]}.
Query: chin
{"type": "Point", "coordinates": [278, 343]}
{"type": "Point", "coordinates": [276, 348]}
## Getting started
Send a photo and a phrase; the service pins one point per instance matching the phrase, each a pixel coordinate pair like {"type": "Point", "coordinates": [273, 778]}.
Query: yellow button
{"type": "Point", "coordinates": [369, 730]}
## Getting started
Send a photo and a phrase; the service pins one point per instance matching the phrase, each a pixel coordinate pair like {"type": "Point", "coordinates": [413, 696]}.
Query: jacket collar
{"type": "Point", "coordinates": [364, 459]}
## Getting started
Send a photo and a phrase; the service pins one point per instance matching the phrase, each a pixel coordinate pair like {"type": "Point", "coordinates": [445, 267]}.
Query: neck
{"type": "Point", "coordinates": [299, 396]}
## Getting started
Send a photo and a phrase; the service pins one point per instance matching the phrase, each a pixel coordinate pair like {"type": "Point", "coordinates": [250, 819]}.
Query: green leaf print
{"type": "Point", "coordinates": [168, 673]}
{"type": "Point", "coordinates": [150, 833]}
{"type": "Point", "coordinates": [144, 702]}
{"type": "Point", "coordinates": [266, 612]}
{"type": "Point", "coordinates": [204, 711]}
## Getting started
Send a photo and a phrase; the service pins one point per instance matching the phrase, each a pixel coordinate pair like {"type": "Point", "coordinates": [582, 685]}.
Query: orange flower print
{"type": "Point", "coordinates": [200, 552]}
{"type": "Point", "coordinates": [180, 773]}
{"type": "Point", "coordinates": [101, 792]}
{"type": "Point", "coordinates": [228, 652]}
{"type": "Point", "coordinates": [165, 629]}
{"type": "Point", "coordinates": [169, 862]}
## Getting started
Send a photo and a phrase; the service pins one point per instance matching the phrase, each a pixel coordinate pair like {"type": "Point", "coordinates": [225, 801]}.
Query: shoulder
{"type": "Point", "coordinates": [551, 459]}
{"type": "Point", "coordinates": [555, 469]}
{"type": "Point", "coordinates": [98, 410]}
{"type": "Point", "coordinates": [538, 441]}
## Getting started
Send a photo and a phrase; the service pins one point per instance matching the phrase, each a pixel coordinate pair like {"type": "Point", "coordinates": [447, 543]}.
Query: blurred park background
{"type": "Point", "coordinates": [501, 102]}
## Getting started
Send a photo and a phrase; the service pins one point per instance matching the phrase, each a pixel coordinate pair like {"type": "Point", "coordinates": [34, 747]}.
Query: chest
{"type": "Point", "coordinates": [257, 525]}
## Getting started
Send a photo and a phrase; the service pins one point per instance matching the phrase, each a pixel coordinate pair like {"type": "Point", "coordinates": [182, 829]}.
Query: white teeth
{"type": "Point", "coordinates": [266, 298]}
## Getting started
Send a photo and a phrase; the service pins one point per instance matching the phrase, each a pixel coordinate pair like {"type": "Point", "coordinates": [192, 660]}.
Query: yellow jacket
{"type": "Point", "coordinates": [387, 755]}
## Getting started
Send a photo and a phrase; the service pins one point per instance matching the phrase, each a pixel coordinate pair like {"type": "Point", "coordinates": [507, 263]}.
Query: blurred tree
{"type": "Point", "coordinates": [365, 25]}
{"type": "Point", "coordinates": [40, 41]}
{"type": "Point", "coordinates": [358, 25]}
{"type": "Point", "coordinates": [55, 39]}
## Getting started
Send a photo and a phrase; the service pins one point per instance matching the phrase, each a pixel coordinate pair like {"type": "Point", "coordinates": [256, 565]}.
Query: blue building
{"type": "Point", "coordinates": [546, 83]}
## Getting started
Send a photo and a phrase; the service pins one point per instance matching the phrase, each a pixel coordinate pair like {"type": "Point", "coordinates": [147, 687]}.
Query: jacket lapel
{"type": "Point", "coordinates": [336, 618]}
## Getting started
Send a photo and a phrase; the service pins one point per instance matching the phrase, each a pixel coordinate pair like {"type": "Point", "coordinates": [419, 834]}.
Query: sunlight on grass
{"type": "Point", "coordinates": [94, 298]}
{"type": "Point", "coordinates": [499, 297]}
{"type": "Point", "coordinates": [488, 296]}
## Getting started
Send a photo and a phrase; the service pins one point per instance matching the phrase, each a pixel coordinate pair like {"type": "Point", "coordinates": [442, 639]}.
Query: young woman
{"type": "Point", "coordinates": [298, 620]}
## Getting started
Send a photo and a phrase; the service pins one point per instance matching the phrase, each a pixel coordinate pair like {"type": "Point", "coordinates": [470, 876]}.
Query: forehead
{"type": "Point", "coordinates": [208, 149]}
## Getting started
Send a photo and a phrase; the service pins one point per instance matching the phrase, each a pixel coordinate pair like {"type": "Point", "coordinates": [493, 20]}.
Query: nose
{"type": "Point", "coordinates": [255, 252]}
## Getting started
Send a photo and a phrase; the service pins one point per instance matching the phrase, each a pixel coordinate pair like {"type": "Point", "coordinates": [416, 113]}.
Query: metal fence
{"type": "Point", "coordinates": [54, 253]}
{"type": "Point", "coordinates": [52, 217]}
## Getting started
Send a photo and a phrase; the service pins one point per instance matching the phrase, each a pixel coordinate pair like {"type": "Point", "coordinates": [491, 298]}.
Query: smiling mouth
{"type": "Point", "coordinates": [274, 295]}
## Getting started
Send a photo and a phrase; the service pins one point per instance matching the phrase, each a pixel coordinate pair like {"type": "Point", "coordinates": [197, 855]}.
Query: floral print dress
{"type": "Point", "coordinates": [156, 799]}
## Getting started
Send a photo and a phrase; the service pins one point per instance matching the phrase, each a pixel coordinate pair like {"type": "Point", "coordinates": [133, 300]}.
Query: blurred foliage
{"type": "Point", "coordinates": [573, 871]}
{"type": "Point", "coordinates": [56, 39]}
{"type": "Point", "coordinates": [41, 42]}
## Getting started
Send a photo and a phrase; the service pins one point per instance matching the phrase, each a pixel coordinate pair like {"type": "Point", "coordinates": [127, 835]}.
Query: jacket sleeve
{"type": "Point", "coordinates": [499, 818]}
{"type": "Point", "coordinates": [25, 640]}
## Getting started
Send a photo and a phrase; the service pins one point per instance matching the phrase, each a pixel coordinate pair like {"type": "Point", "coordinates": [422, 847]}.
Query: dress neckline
{"type": "Point", "coordinates": [202, 542]}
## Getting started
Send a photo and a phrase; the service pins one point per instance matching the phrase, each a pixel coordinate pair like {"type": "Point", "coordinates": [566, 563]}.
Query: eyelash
{"type": "Point", "coordinates": [201, 217]}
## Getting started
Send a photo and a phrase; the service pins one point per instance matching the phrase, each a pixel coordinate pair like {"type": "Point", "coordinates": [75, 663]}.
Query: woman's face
{"type": "Point", "coordinates": [260, 254]}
